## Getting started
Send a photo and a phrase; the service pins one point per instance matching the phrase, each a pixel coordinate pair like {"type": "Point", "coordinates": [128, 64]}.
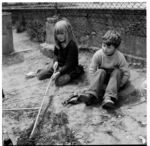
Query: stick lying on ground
{"type": "Point", "coordinates": [17, 100]}
{"type": "Point", "coordinates": [31, 135]}
{"type": "Point", "coordinates": [20, 51]}
{"type": "Point", "coordinates": [17, 109]}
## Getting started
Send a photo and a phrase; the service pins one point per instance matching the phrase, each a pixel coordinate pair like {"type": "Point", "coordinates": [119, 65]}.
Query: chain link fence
{"type": "Point", "coordinates": [77, 5]}
{"type": "Point", "coordinates": [90, 20]}
{"type": "Point", "coordinates": [129, 17]}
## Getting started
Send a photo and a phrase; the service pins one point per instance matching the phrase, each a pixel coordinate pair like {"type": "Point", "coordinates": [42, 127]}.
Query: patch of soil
{"type": "Point", "coordinates": [69, 125]}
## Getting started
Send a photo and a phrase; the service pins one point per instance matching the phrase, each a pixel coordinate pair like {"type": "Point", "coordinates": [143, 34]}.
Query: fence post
{"type": "Point", "coordinates": [56, 9]}
{"type": "Point", "coordinates": [7, 34]}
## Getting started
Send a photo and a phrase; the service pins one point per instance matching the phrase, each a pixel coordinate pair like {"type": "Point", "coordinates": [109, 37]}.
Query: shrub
{"type": "Point", "coordinates": [36, 30]}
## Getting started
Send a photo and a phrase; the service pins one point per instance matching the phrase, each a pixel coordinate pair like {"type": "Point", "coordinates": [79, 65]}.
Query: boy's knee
{"type": "Point", "coordinates": [117, 72]}
{"type": "Point", "coordinates": [101, 71]}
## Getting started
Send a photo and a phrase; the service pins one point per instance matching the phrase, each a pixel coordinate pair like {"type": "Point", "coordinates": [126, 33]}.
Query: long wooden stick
{"type": "Point", "coordinates": [42, 104]}
{"type": "Point", "coordinates": [17, 109]}
{"type": "Point", "coordinates": [40, 109]}
{"type": "Point", "coordinates": [20, 51]}
{"type": "Point", "coordinates": [17, 100]}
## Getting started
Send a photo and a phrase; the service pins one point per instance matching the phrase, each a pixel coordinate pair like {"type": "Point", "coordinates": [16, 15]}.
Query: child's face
{"type": "Point", "coordinates": [61, 37]}
{"type": "Point", "coordinates": [108, 50]}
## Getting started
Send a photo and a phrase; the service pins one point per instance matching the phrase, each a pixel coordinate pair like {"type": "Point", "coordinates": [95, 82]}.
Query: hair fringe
{"type": "Point", "coordinates": [68, 30]}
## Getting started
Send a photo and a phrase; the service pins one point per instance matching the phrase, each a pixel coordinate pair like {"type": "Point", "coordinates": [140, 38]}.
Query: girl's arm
{"type": "Point", "coordinates": [55, 55]}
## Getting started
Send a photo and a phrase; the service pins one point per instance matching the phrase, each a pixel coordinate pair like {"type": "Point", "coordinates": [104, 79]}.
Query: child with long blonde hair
{"type": "Point", "coordinates": [65, 56]}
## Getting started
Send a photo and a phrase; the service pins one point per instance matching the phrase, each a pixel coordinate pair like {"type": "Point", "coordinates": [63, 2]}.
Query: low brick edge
{"type": "Point", "coordinates": [48, 50]}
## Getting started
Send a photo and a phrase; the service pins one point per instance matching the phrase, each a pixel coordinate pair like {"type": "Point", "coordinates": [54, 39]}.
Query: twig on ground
{"type": "Point", "coordinates": [18, 100]}
{"type": "Point", "coordinates": [20, 51]}
{"type": "Point", "coordinates": [16, 109]}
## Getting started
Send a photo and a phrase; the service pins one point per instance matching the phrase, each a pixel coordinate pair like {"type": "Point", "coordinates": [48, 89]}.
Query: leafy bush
{"type": "Point", "coordinates": [36, 30]}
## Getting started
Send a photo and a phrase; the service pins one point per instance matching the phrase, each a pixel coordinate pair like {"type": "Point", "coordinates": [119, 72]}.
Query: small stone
{"type": "Point", "coordinates": [143, 99]}
{"type": "Point", "coordinates": [134, 64]}
{"type": "Point", "coordinates": [129, 137]}
{"type": "Point", "coordinates": [143, 123]}
{"type": "Point", "coordinates": [138, 64]}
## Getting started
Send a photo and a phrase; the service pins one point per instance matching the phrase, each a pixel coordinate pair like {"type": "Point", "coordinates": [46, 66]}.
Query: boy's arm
{"type": "Point", "coordinates": [94, 64]}
{"type": "Point", "coordinates": [125, 70]}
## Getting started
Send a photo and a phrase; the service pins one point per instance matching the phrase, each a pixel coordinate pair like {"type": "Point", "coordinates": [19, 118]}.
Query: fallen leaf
{"type": "Point", "coordinates": [143, 99]}
{"type": "Point", "coordinates": [144, 124]}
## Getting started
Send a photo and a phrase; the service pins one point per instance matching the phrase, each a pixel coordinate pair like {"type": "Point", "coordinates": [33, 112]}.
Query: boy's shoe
{"type": "Point", "coordinates": [73, 99]}
{"type": "Point", "coordinates": [108, 103]}
{"type": "Point", "coordinates": [87, 98]}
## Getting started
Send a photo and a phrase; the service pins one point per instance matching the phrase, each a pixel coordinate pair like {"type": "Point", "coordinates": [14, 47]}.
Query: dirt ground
{"type": "Point", "coordinates": [74, 124]}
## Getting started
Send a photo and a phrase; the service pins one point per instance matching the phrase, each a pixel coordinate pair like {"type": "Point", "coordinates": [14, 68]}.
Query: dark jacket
{"type": "Point", "coordinates": [67, 57]}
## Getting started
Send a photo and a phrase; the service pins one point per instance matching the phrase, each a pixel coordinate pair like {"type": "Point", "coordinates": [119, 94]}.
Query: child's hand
{"type": "Point", "coordinates": [55, 65]}
{"type": "Point", "coordinates": [55, 75]}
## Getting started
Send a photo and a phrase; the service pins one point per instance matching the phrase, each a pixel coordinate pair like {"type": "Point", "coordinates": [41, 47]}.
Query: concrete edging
{"type": "Point", "coordinates": [48, 49]}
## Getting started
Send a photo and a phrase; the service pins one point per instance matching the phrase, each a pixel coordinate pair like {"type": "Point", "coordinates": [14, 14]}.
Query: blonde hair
{"type": "Point", "coordinates": [64, 26]}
